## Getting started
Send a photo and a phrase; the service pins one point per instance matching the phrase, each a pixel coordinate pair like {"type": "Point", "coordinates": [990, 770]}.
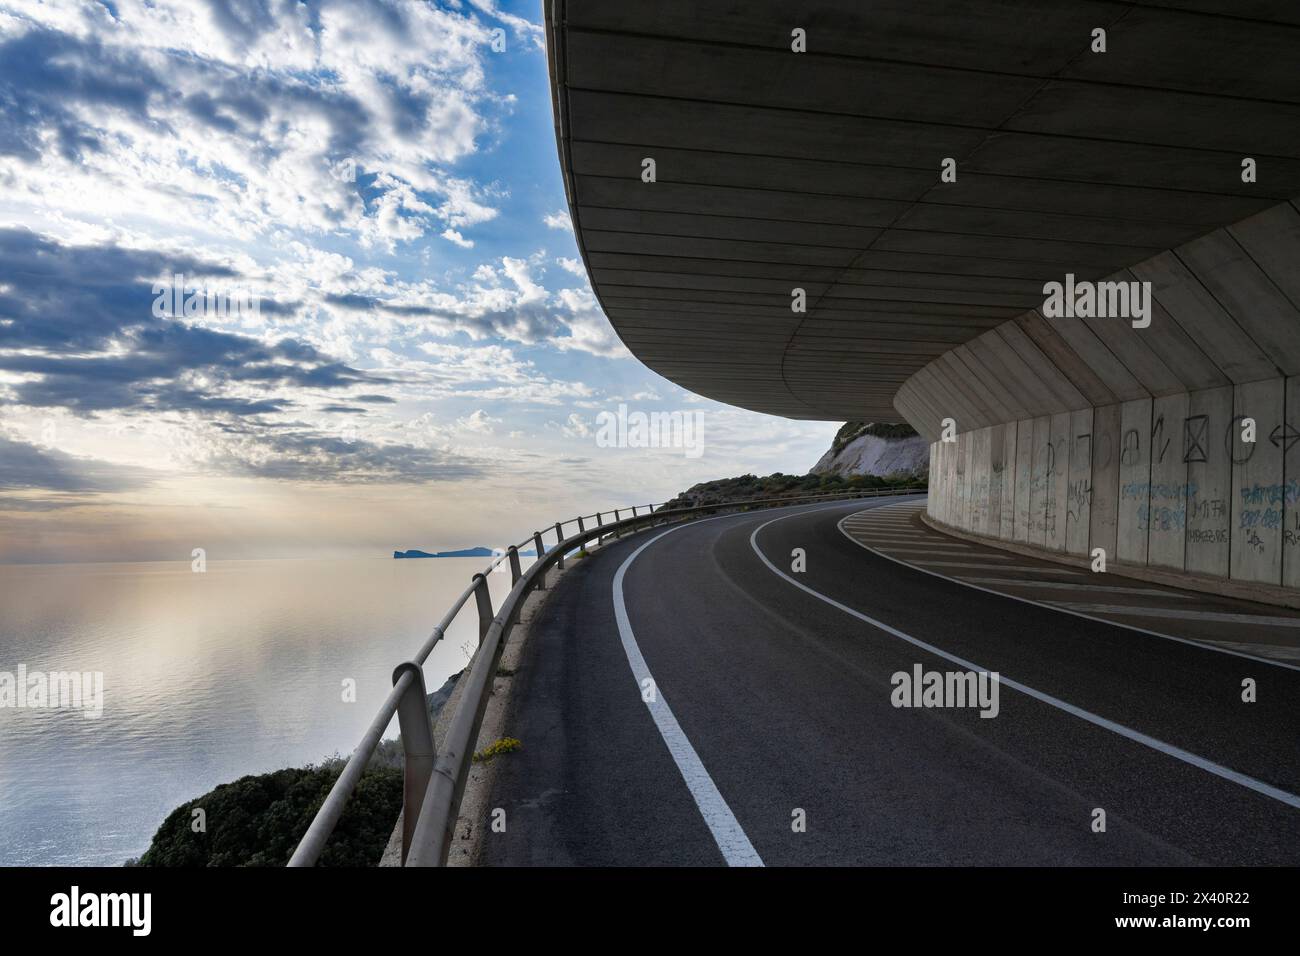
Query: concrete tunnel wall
{"type": "Point", "coordinates": [1074, 434]}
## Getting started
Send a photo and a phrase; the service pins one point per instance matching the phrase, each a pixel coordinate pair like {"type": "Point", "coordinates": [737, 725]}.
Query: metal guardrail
{"type": "Point", "coordinates": [433, 783]}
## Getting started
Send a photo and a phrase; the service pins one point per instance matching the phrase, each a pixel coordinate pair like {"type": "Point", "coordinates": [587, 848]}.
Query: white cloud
{"type": "Point", "coordinates": [558, 220]}
{"type": "Point", "coordinates": [575, 426]}
{"type": "Point", "coordinates": [478, 421]}
{"type": "Point", "coordinates": [240, 118]}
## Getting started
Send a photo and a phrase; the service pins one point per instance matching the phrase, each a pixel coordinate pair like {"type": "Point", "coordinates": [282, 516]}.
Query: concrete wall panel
{"type": "Point", "coordinates": [1058, 481]}
{"type": "Point", "coordinates": [1134, 481]}
{"type": "Point", "coordinates": [1007, 514]}
{"type": "Point", "coordinates": [1167, 515]}
{"type": "Point", "coordinates": [996, 450]}
{"type": "Point", "coordinates": [1255, 303]}
{"type": "Point", "coordinates": [1257, 484]}
{"type": "Point", "coordinates": [1289, 441]}
{"type": "Point", "coordinates": [1209, 478]}
{"type": "Point", "coordinates": [1024, 478]}
{"type": "Point", "coordinates": [966, 466]}
{"type": "Point", "coordinates": [1078, 495]}
{"type": "Point", "coordinates": [1042, 450]}
{"type": "Point", "coordinates": [1082, 433]}
{"type": "Point", "coordinates": [1103, 517]}
{"type": "Point", "coordinates": [1201, 316]}
{"type": "Point", "coordinates": [982, 468]}
{"type": "Point", "coordinates": [1005, 363]}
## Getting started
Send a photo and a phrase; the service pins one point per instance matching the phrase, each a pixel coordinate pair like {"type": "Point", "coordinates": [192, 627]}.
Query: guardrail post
{"type": "Point", "coordinates": [634, 511]}
{"type": "Point", "coordinates": [559, 541]}
{"type": "Point", "coordinates": [515, 571]}
{"type": "Point", "coordinates": [418, 750]}
{"type": "Point", "coordinates": [541, 550]}
{"type": "Point", "coordinates": [484, 598]}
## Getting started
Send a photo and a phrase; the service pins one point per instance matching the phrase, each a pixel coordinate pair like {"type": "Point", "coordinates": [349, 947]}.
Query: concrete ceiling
{"type": "Point", "coordinates": [820, 170]}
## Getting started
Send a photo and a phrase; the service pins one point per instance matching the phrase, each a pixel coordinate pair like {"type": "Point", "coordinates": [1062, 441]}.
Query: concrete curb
{"type": "Point", "coordinates": [474, 814]}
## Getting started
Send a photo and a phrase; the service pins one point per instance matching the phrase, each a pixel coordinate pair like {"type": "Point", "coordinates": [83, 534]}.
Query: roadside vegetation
{"type": "Point", "coordinates": [504, 745]}
{"type": "Point", "coordinates": [258, 820]}
{"type": "Point", "coordinates": [851, 430]}
{"type": "Point", "coordinates": [779, 485]}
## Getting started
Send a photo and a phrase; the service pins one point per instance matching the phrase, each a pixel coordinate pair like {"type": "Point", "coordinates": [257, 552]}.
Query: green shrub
{"type": "Point", "coordinates": [778, 485]}
{"type": "Point", "coordinates": [258, 820]}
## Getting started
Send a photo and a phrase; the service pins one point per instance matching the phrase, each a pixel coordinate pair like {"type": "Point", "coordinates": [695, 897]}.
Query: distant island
{"type": "Point", "coordinates": [479, 552]}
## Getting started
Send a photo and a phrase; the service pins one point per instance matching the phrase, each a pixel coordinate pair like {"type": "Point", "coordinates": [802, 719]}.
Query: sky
{"type": "Point", "coordinates": [395, 344]}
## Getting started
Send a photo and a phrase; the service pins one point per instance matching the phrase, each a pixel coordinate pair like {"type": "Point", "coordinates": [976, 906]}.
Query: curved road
{"type": "Point", "coordinates": [770, 705]}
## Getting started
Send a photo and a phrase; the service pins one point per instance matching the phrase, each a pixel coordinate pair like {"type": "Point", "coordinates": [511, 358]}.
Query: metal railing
{"type": "Point", "coordinates": [433, 782]}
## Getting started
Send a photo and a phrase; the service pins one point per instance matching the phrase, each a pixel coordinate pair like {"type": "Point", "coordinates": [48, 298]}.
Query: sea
{"type": "Point", "coordinates": [242, 668]}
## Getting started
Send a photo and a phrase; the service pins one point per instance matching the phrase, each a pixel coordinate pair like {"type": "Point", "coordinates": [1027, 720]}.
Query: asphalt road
{"type": "Point", "coordinates": [772, 705]}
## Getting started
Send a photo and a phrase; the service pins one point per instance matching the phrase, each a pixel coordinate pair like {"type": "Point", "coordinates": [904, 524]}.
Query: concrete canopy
{"type": "Point", "coordinates": [821, 170]}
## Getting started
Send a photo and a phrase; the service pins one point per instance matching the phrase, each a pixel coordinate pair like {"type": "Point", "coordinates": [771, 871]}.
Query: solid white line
{"type": "Point", "coordinates": [1259, 786]}
{"type": "Point", "coordinates": [1060, 610]}
{"type": "Point", "coordinates": [918, 541]}
{"type": "Point", "coordinates": [922, 565]}
{"type": "Point", "coordinates": [722, 823]}
{"type": "Point", "coordinates": [1181, 614]}
{"type": "Point", "coordinates": [1072, 586]}
{"type": "Point", "coordinates": [945, 554]}
{"type": "Point", "coordinates": [946, 550]}
{"type": "Point", "coordinates": [924, 543]}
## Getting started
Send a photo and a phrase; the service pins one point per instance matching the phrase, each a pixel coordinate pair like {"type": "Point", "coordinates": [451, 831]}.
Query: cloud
{"type": "Point", "coordinates": [50, 479]}
{"type": "Point", "coordinates": [522, 27]}
{"type": "Point", "coordinates": [558, 220]}
{"type": "Point", "coordinates": [503, 299]}
{"type": "Point", "coordinates": [478, 421]}
{"type": "Point", "coordinates": [247, 115]}
{"type": "Point", "coordinates": [77, 331]}
{"type": "Point", "coordinates": [575, 426]}
{"type": "Point", "coordinates": [308, 455]}
{"type": "Point", "coordinates": [451, 235]}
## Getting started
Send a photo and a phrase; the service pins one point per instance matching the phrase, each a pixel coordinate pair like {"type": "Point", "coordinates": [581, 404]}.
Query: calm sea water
{"type": "Point", "coordinates": [207, 677]}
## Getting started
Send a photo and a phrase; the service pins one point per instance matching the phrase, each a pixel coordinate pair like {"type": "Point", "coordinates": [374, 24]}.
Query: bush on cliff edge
{"type": "Point", "coordinates": [258, 820]}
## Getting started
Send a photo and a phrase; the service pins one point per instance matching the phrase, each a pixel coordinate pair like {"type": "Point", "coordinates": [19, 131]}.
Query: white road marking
{"type": "Point", "coordinates": [924, 568]}
{"type": "Point", "coordinates": [1181, 613]}
{"type": "Point", "coordinates": [1187, 757]}
{"type": "Point", "coordinates": [917, 541]}
{"type": "Point", "coordinates": [1075, 586]}
{"type": "Point", "coordinates": [945, 554]}
{"type": "Point", "coordinates": [722, 823]}
{"type": "Point", "coordinates": [1022, 568]}
{"type": "Point", "coordinates": [927, 542]}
